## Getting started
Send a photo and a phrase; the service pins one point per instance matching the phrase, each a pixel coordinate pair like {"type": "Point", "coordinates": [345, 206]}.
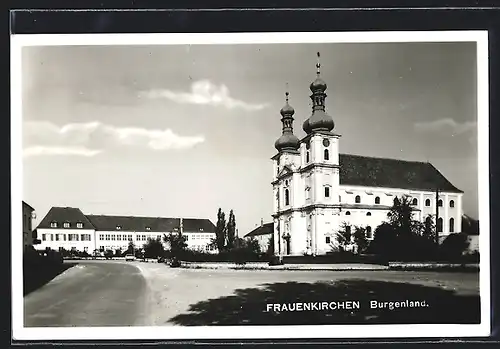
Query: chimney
{"type": "Point", "coordinates": [262, 222]}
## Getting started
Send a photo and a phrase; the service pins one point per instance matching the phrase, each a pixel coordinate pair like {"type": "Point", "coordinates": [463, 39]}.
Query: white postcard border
{"type": "Point", "coordinates": [249, 332]}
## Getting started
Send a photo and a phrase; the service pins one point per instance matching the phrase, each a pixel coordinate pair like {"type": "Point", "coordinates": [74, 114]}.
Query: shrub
{"type": "Point", "coordinates": [275, 260]}
{"type": "Point", "coordinates": [454, 246]}
{"type": "Point", "coordinates": [175, 263]}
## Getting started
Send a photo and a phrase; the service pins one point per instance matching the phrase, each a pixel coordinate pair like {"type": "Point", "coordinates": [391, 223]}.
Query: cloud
{"type": "Point", "coordinates": [203, 92]}
{"type": "Point", "coordinates": [90, 139]}
{"type": "Point", "coordinates": [448, 124]}
{"type": "Point", "coordinates": [51, 150]}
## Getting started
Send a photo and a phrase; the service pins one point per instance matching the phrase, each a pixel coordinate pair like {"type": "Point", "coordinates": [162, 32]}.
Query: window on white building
{"type": "Point", "coordinates": [452, 203]}
{"type": "Point", "coordinates": [53, 224]}
{"type": "Point", "coordinates": [377, 200]}
{"type": "Point", "coordinates": [369, 234]}
{"type": "Point", "coordinates": [118, 237]}
{"type": "Point", "coordinates": [368, 213]}
{"type": "Point", "coordinates": [440, 225]}
{"type": "Point", "coordinates": [440, 203]}
{"type": "Point", "coordinates": [327, 239]}
{"type": "Point", "coordinates": [348, 213]}
{"type": "Point", "coordinates": [85, 237]}
{"type": "Point", "coordinates": [57, 237]}
{"type": "Point", "coordinates": [64, 237]}
{"type": "Point", "coordinates": [101, 236]}
{"type": "Point", "coordinates": [287, 197]}
{"type": "Point", "coordinates": [113, 237]}
{"type": "Point", "coordinates": [79, 225]}
{"type": "Point", "coordinates": [357, 199]}
{"type": "Point", "coordinates": [130, 238]}
{"type": "Point", "coordinates": [66, 225]}
{"type": "Point", "coordinates": [108, 236]}
{"type": "Point", "coordinates": [327, 192]}
{"type": "Point", "coordinates": [414, 202]}
{"type": "Point", "coordinates": [326, 154]}
{"type": "Point", "coordinates": [427, 202]}
{"type": "Point", "coordinates": [72, 237]}
{"type": "Point", "coordinates": [51, 237]}
{"type": "Point", "coordinates": [44, 237]}
{"type": "Point", "coordinates": [144, 238]}
{"type": "Point", "coordinates": [452, 225]}
{"type": "Point", "coordinates": [307, 157]}
{"type": "Point", "coordinates": [348, 229]}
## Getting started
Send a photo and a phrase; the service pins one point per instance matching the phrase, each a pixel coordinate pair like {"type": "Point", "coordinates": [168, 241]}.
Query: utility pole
{"type": "Point", "coordinates": [437, 215]}
{"type": "Point", "coordinates": [278, 228]}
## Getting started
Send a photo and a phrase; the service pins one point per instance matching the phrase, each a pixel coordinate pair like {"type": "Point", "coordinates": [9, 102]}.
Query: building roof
{"type": "Point", "coordinates": [155, 224]}
{"type": "Point", "coordinates": [391, 173]}
{"type": "Point", "coordinates": [65, 214]}
{"type": "Point", "coordinates": [28, 206]}
{"type": "Point", "coordinates": [264, 229]}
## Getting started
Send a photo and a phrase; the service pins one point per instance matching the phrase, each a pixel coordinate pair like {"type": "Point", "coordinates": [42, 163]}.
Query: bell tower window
{"type": "Point", "coordinates": [326, 155]}
{"type": "Point", "coordinates": [287, 197]}
{"type": "Point", "coordinates": [327, 192]}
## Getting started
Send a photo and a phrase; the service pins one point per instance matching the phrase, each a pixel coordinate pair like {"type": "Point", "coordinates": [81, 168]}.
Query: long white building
{"type": "Point", "coordinates": [316, 188]}
{"type": "Point", "coordinates": [71, 229]}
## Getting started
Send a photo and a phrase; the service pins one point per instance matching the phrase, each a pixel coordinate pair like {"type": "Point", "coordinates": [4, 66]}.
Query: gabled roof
{"type": "Point", "coordinates": [391, 173]}
{"type": "Point", "coordinates": [155, 224]}
{"type": "Point", "coordinates": [265, 229]}
{"type": "Point", "coordinates": [28, 206]}
{"type": "Point", "coordinates": [65, 214]}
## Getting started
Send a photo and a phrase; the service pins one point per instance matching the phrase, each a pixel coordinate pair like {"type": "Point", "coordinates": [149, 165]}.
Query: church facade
{"type": "Point", "coordinates": [317, 189]}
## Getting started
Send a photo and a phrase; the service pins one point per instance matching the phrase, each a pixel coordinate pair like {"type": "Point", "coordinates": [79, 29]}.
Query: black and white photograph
{"type": "Point", "coordinates": [233, 185]}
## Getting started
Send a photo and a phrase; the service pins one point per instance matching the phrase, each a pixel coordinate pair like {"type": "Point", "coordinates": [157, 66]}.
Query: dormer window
{"type": "Point", "coordinates": [148, 228]}
{"type": "Point", "coordinates": [79, 225]}
{"type": "Point", "coordinates": [201, 229]}
{"type": "Point", "coordinates": [66, 225]}
{"type": "Point", "coordinates": [118, 227]}
{"type": "Point", "coordinates": [53, 224]}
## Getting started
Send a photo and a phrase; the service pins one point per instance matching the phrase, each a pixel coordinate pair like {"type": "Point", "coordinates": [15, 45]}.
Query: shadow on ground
{"type": "Point", "coordinates": [248, 306]}
{"type": "Point", "coordinates": [37, 275]}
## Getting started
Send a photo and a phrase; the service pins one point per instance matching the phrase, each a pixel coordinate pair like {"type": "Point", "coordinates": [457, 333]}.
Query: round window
{"type": "Point", "coordinates": [326, 142]}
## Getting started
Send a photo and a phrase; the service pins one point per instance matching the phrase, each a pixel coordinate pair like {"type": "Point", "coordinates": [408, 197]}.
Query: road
{"type": "Point", "coordinates": [90, 294]}
{"type": "Point", "coordinates": [109, 293]}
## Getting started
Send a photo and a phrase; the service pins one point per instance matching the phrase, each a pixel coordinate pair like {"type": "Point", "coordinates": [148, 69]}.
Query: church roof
{"type": "Point", "coordinates": [264, 229]}
{"type": "Point", "coordinates": [391, 173]}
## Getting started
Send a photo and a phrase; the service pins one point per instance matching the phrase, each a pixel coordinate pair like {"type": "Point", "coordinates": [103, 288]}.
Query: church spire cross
{"type": "Point", "coordinates": [318, 64]}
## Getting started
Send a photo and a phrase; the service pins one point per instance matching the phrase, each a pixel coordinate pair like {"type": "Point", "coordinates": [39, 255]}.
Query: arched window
{"type": "Point", "coordinates": [440, 225]}
{"type": "Point", "coordinates": [340, 198]}
{"type": "Point", "coordinates": [414, 202]}
{"type": "Point", "coordinates": [287, 197]}
{"type": "Point", "coordinates": [348, 228]}
{"type": "Point", "coordinates": [427, 202]}
{"type": "Point", "coordinates": [348, 213]}
{"type": "Point", "coordinates": [307, 157]}
{"type": "Point", "coordinates": [357, 199]}
{"type": "Point", "coordinates": [327, 192]}
{"type": "Point", "coordinates": [377, 200]}
{"type": "Point", "coordinates": [452, 203]}
{"type": "Point", "coordinates": [326, 155]}
{"type": "Point", "coordinates": [452, 225]}
{"type": "Point", "coordinates": [440, 203]}
{"type": "Point", "coordinates": [369, 234]}
{"type": "Point", "coordinates": [368, 213]}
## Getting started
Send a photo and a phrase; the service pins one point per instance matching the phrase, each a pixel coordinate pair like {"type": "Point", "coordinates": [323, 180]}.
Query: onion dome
{"type": "Point", "coordinates": [287, 141]}
{"type": "Point", "coordinates": [319, 120]}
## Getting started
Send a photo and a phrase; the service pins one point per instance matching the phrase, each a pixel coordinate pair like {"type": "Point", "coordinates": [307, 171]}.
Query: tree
{"type": "Point", "coordinates": [429, 228]}
{"type": "Point", "coordinates": [231, 231]}
{"type": "Point", "coordinates": [108, 254]}
{"type": "Point", "coordinates": [344, 237]}
{"type": "Point", "coordinates": [118, 252]}
{"type": "Point", "coordinates": [270, 246]}
{"type": "Point", "coordinates": [454, 246]}
{"type": "Point", "coordinates": [130, 248]}
{"type": "Point", "coordinates": [220, 231]}
{"type": "Point", "coordinates": [177, 244]}
{"type": "Point", "coordinates": [153, 248]}
{"type": "Point", "coordinates": [360, 239]}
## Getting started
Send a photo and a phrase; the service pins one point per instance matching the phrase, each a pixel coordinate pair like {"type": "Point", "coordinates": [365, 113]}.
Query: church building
{"type": "Point", "coordinates": [317, 189]}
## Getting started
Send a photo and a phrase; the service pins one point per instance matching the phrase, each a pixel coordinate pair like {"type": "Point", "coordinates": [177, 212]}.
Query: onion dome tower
{"type": "Point", "coordinates": [288, 141]}
{"type": "Point", "coordinates": [319, 120]}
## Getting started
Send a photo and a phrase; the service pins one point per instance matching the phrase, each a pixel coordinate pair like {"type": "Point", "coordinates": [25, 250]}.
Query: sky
{"type": "Point", "coordinates": [181, 130]}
